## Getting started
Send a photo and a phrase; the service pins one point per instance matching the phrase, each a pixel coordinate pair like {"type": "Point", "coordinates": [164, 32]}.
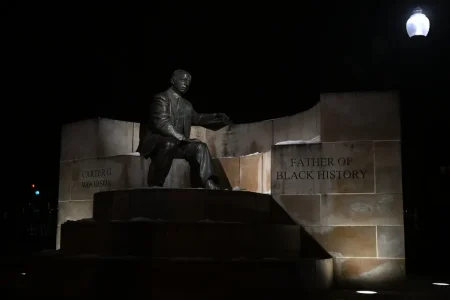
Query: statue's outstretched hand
{"type": "Point", "coordinates": [224, 118]}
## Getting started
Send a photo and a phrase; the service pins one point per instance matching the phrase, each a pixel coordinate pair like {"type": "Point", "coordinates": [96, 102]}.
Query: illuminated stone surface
{"type": "Point", "coordinates": [362, 209]}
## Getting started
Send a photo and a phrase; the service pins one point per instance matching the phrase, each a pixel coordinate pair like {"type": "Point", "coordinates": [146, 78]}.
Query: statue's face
{"type": "Point", "coordinates": [181, 83]}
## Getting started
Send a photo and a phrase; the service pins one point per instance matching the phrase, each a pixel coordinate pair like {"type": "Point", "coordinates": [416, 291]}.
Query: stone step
{"type": "Point", "coordinates": [133, 277]}
{"type": "Point", "coordinates": [220, 240]}
{"type": "Point", "coordinates": [189, 205]}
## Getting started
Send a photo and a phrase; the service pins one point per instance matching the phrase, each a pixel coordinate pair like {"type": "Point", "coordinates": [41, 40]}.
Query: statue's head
{"type": "Point", "coordinates": [181, 80]}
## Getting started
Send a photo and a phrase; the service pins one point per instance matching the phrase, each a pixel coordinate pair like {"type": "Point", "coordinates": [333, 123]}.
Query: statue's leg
{"type": "Point", "coordinates": [198, 156]}
{"type": "Point", "coordinates": [162, 159]}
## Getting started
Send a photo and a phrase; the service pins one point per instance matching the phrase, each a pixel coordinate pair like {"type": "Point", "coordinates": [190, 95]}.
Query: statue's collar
{"type": "Point", "coordinates": [173, 94]}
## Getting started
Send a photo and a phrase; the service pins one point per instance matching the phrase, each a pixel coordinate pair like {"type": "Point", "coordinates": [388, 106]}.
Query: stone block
{"type": "Point", "coordinates": [302, 126]}
{"type": "Point", "coordinates": [187, 205]}
{"type": "Point", "coordinates": [118, 172]}
{"type": "Point", "coordinates": [391, 241]}
{"type": "Point", "coordinates": [360, 116]}
{"type": "Point", "coordinates": [58, 237]}
{"type": "Point", "coordinates": [346, 241]}
{"type": "Point", "coordinates": [323, 168]}
{"type": "Point", "coordinates": [304, 209]}
{"type": "Point", "coordinates": [135, 171]}
{"type": "Point", "coordinates": [74, 210]}
{"type": "Point", "coordinates": [79, 140]}
{"type": "Point", "coordinates": [115, 137]}
{"type": "Point", "coordinates": [362, 209]}
{"type": "Point", "coordinates": [175, 239]}
{"type": "Point", "coordinates": [369, 272]}
{"type": "Point", "coordinates": [388, 167]}
{"type": "Point", "coordinates": [231, 168]}
{"type": "Point", "coordinates": [251, 172]}
{"type": "Point", "coordinates": [266, 172]}
{"type": "Point", "coordinates": [199, 133]}
{"type": "Point", "coordinates": [136, 135]}
{"type": "Point", "coordinates": [240, 139]}
{"type": "Point", "coordinates": [96, 138]}
{"type": "Point", "coordinates": [65, 178]}
{"type": "Point", "coordinates": [316, 273]}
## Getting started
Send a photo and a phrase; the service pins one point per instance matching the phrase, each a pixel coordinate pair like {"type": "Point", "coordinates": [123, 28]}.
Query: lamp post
{"type": "Point", "coordinates": [418, 82]}
{"type": "Point", "coordinates": [413, 85]}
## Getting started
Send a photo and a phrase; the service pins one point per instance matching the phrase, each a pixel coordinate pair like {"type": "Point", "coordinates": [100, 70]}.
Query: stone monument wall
{"type": "Point", "coordinates": [335, 168]}
{"type": "Point", "coordinates": [347, 190]}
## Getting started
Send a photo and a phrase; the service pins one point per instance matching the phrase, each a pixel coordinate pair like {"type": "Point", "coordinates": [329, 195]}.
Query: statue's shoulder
{"type": "Point", "coordinates": [162, 95]}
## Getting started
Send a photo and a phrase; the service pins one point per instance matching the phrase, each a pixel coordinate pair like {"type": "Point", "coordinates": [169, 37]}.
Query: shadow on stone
{"type": "Point", "coordinates": [278, 215]}
{"type": "Point", "coordinates": [223, 181]}
{"type": "Point", "coordinates": [311, 248]}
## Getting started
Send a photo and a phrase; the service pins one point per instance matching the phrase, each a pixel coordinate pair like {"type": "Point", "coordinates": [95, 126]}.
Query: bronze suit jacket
{"type": "Point", "coordinates": [169, 115]}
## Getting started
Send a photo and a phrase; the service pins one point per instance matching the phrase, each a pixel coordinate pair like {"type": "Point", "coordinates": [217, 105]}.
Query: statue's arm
{"type": "Point", "coordinates": [217, 120]}
{"type": "Point", "coordinates": [160, 117]}
{"type": "Point", "coordinates": [202, 119]}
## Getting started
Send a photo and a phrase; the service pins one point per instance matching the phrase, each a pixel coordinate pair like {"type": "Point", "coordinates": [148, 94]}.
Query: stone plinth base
{"type": "Point", "coordinates": [191, 240]}
{"type": "Point", "coordinates": [189, 205]}
{"type": "Point", "coordinates": [220, 240]}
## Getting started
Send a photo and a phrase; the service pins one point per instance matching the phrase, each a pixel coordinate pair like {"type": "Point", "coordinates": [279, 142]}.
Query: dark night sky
{"type": "Point", "coordinates": [72, 60]}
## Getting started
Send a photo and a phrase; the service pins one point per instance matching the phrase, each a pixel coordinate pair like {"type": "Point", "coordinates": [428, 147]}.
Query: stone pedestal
{"type": "Point", "coordinates": [188, 205]}
{"type": "Point", "coordinates": [202, 238]}
{"type": "Point", "coordinates": [164, 222]}
{"type": "Point", "coordinates": [217, 240]}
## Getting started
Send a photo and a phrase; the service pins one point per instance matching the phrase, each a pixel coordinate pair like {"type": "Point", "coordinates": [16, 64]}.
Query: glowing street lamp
{"type": "Point", "coordinates": [418, 24]}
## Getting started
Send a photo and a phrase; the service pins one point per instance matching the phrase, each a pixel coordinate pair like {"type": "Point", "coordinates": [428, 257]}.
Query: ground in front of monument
{"type": "Point", "coordinates": [14, 286]}
{"type": "Point", "coordinates": [411, 289]}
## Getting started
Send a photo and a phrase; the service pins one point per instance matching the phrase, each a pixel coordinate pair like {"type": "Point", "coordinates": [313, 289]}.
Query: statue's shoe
{"type": "Point", "coordinates": [211, 185]}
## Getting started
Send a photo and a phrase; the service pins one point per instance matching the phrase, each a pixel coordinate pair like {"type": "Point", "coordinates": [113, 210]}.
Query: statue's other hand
{"type": "Point", "coordinates": [224, 118]}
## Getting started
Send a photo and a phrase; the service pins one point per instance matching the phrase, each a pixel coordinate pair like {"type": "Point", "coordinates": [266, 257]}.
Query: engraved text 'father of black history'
{"type": "Point", "coordinates": [331, 168]}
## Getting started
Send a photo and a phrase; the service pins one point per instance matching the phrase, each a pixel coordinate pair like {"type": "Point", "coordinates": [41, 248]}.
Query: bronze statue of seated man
{"type": "Point", "coordinates": [168, 131]}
